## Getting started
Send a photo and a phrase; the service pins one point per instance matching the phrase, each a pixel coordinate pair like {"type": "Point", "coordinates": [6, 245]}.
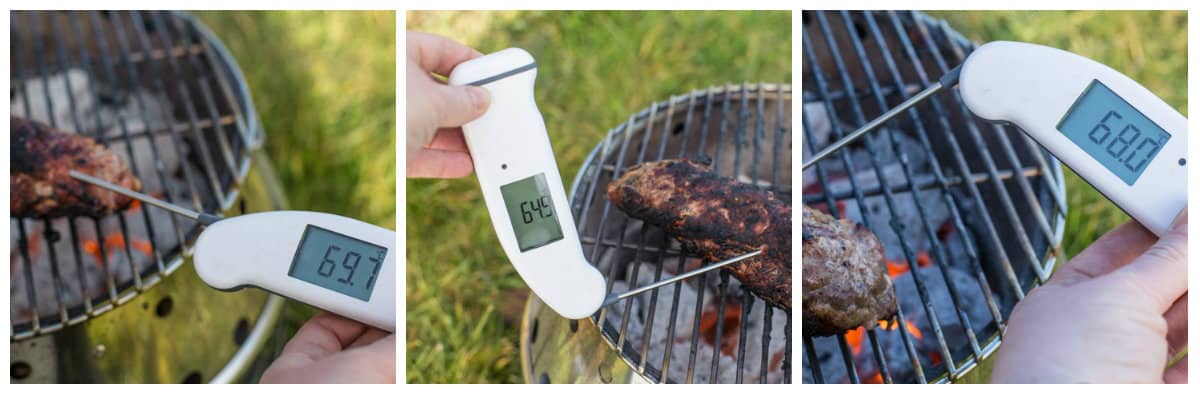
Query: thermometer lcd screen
{"type": "Point", "coordinates": [531, 212]}
{"type": "Point", "coordinates": [337, 262]}
{"type": "Point", "coordinates": [1113, 132]}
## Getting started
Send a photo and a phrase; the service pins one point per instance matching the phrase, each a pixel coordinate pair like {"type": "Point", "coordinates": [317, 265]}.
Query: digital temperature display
{"type": "Point", "coordinates": [1113, 132]}
{"type": "Point", "coordinates": [337, 262]}
{"type": "Point", "coordinates": [531, 212]}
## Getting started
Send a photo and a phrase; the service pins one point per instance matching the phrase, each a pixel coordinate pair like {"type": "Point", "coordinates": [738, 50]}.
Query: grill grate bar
{"type": "Point", "coordinates": [23, 238]}
{"type": "Point", "coordinates": [723, 285]}
{"type": "Point", "coordinates": [169, 196]}
{"type": "Point", "coordinates": [658, 268]}
{"type": "Point", "coordinates": [637, 264]}
{"type": "Point", "coordinates": [837, 133]}
{"type": "Point", "coordinates": [940, 251]}
{"type": "Point", "coordinates": [925, 182]}
{"type": "Point", "coordinates": [114, 57]}
{"type": "Point", "coordinates": [961, 162]}
{"type": "Point", "coordinates": [950, 201]}
{"type": "Point", "coordinates": [194, 124]}
{"type": "Point", "coordinates": [172, 127]}
{"type": "Point", "coordinates": [111, 79]}
{"type": "Point", "coordinates": [214, 112]}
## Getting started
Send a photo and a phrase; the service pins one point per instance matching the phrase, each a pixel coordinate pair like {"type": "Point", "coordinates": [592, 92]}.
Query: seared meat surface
{"type": "Point", "coordinates": [39, 181]}
{"type": "Point", "coordinates": [846, 284]}
{"type": "Point", "coordinates": [715, 218]}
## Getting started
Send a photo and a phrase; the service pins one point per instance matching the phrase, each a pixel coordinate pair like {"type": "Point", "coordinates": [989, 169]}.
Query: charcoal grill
{"type": "Point", "coordinates": [113, 299]}
{"type": "Point", "coordinates": [706, 329]}
{"type": "Point", "coordinates": [970, 213]}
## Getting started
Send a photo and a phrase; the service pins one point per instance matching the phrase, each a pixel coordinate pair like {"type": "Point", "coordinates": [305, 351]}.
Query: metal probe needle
{"type": "Point", "coordinates": [946, 81]}
{"type": "Point", "coordinates": [203, 218]}
{"type": "Point", "coordinates": [612, 298]}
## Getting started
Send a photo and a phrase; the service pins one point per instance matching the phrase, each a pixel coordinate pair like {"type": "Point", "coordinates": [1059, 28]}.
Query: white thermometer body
{"type": "Point", "coordinates": [1117, 135]}
{"type": "Point", "coordinates": [334, 263]}
{"type": "Point", "coordinates": [522, 188]}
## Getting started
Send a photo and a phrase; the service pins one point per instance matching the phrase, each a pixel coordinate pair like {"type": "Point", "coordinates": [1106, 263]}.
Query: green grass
{"type": "Point", "coordinates": [594, 70]}
{"type": "Point", "coordinates": [1150, 47]}
{"type": "Point", "coordinates": [324, 84]}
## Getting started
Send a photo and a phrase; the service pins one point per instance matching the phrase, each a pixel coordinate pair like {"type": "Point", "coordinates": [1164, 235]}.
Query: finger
{"type": "Point", "coordinates": [323, 335]}
{"type": "Point", "coordinates": [382, 357]}
{"type": "Point", "coordinates": [1178, 373]}
{"type": "Point", "coordinates": [1160, 273]}
{"type": "Point", "coordinates": [1177, 326]}
{"type": "Point", "coordinates": [457, 105]}
{"type": "Point", "coordinates": [438, 54]}
{"type": "Point", "coordinates": [430, 163]}
{"type": "Point", "coordinates": [1113, 250]}
{"type": "Point", "coordinates": [449, 139]}
{"type": "Point", "coordinates": [368, 337]}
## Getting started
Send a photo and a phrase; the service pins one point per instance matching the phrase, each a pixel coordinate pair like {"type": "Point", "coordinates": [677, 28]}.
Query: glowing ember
{"type": "Point", "coordinates": [855, 337]}
{"type": "Point", "coordinates": [113, 243]}
{"type": "Point", "coordinates": [897, 268]}
{"type": "Point", "coordinates": [729, 327]}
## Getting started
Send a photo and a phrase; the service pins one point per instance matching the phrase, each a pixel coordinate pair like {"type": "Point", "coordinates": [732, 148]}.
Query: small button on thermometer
{"type": "Point", "coordinates": [334, 263]}
{"type": "Point", "coordinates": [1114, 133]}
{"type": "Point", "coordinates": [521, 186]}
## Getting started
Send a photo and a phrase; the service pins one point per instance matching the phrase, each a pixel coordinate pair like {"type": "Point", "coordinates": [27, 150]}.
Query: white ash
{"type": "Point", "coordinates": [679, 345]}
{"type": "Point", "coordinates": [84, 275]}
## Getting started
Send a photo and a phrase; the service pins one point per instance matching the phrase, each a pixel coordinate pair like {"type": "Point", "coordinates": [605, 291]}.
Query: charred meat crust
{"type": "Point", "coordinates": [715, 218]}
{"type": "Point", "coordinates": [846, 284]}
{"type": "Point", "coordinates": [40, 184]}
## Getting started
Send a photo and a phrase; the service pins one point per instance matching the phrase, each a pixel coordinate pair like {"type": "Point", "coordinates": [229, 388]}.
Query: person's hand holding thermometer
{"type": "Point", "coordinates": [338, 264]}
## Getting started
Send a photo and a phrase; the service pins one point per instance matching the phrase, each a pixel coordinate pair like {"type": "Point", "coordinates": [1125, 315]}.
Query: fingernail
{"type": "Point", "coordinates": [479, 98]}
{"type": "Point", "coordinates": [1180, 219]}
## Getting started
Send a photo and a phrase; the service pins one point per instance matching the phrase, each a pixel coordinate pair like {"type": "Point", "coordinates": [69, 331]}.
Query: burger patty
{"type": "Point", "coordinates": [715, 218]}
{"type": "Point", "coordinates": [846, 284]}
{"type": "Point", "coordinates": [39, 181]}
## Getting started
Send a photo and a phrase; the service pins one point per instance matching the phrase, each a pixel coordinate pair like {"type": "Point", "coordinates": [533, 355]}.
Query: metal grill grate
{"type": "Point", "coordinates": [158, 90]}
{"type": "Point", "coordinates": [705, 329]}
{"type": "Point", "coordinates": [970, 213]}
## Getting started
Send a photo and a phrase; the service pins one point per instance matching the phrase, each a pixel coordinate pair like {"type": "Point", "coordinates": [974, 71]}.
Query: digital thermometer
{"type": "Point", "coordinates": [338, 264]}
{"type": "Point", "coordinates": [1114, 133]}
{"type": "Point", "coordinates": [521, 186]}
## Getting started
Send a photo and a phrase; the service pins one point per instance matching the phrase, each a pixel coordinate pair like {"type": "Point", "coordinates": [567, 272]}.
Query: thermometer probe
{"type": "Point", "coordinates": [523, 191]}
{"type": "Point", "coordinates": [334, 263]}
{"type": "Point", "coordinates": [1114, 133]}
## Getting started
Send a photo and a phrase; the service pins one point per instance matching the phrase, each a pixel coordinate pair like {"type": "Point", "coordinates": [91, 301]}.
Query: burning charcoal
{"type": "Point", "coordinates": [917, 325]}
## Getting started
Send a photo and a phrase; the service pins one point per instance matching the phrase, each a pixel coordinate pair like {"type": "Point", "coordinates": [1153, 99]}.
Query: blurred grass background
{"type": "Point", "coordinates": [324, 85]}
{"type": "Point", "coordinates": [594, 70]}
{"type": "Point", "coordinates": [1148, 46]}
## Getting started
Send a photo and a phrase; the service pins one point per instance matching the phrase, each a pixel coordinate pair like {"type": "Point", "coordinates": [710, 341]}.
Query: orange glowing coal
{"type": "Point", "coordinates": [729, 324]}
{"type": "Point", "coordinates": [897, 268]}
{"type": "Point", "coordinates": [855, 337]}
{"type": "Point", "coordinates": [113, 243]}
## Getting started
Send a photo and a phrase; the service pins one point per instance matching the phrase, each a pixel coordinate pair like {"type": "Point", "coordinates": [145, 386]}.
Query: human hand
{"type": "Point", "coordinates": [333, 349]}
{"type": "Point", "coordinates": [1116, 313]}
{"type": "Point", "coordinates": [436, 111]}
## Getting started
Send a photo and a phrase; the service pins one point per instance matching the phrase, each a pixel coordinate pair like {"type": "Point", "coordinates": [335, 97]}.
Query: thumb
{"type": "Point", "coordinates": [1161, 272]}
{"type": "Point", "coordinates": [458, 105]}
